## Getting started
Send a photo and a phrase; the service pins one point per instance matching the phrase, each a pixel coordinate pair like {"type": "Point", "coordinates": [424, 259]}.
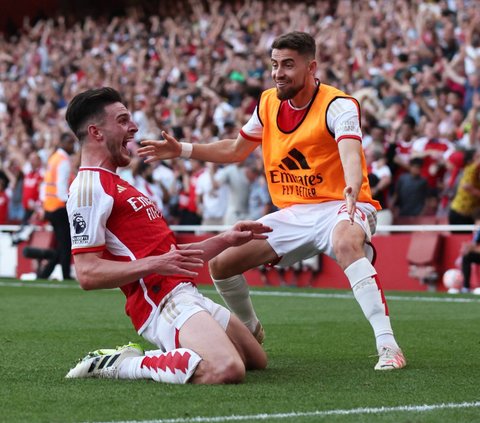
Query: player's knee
{"type": "Point", "coordinates": [219, 371]}
{"type": "Point", "coordinates": [233, 372]}
{"type": "Point", "coordinates": [216, 267]}
{"type": "Point", "coordinates": [345, 248]}
{"type": "Point", "coordinates": [342, 247]}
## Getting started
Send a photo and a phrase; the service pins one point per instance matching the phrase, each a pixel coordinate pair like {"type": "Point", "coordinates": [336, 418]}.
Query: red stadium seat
{"type": "Point", "coordinates": [423, 256]}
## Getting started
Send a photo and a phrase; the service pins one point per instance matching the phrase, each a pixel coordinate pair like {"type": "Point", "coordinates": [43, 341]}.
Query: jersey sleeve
{"type": "Point", "coordinates": [89, 207]}
{"type": "Point", "coordinates": [253, 129]}
{"type": "Point", "coordinates": [343, 119]}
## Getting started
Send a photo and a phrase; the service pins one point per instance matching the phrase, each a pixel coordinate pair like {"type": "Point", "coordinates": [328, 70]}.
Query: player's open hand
{"type": "Point", "coordinates": [245, 231]}
{"type": "Point", "coordinates": [154, 150]}
{"type": "Point", "coordinates": [179, 262]}
{"type": "Point", "coordinates": [351, 200]}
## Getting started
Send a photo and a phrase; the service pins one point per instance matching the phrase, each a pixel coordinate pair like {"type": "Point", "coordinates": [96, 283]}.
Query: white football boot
{"type": "Point", "coordinates": [104, 363]}
{"type": "Point", "coordinates": [390, 358]}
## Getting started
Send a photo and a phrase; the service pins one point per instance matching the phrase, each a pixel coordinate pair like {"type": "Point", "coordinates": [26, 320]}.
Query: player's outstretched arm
{"type": "Point", "coordinates": [94, 272]}
{"type": "Point", "coordinates": [223, 151]}
{"type": "Point", "coordinates": [241, 233]}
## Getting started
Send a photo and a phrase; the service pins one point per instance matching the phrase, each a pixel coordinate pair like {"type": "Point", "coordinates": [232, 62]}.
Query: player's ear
{"type": "Point", "coordinates": [94, 132]}
{"type": "Point", "coordinates": [312, 67]}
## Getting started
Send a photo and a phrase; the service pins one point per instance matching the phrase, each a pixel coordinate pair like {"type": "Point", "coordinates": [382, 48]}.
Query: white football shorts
{"type": "Point", "coordinates": [179, 305]}
{"type": "Point", "coordinates": [305, 230]}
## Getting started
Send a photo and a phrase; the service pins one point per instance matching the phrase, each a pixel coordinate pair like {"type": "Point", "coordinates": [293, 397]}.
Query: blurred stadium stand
{"type": "Point", "coordinates": [13, 12]}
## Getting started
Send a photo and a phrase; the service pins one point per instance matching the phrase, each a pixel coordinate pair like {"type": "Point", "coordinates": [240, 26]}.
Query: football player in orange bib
{"type": "Point", "coordinates": [311, 143]}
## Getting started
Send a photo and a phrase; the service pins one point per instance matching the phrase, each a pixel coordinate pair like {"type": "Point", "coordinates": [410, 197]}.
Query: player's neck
{"type": "Point", "coordinates": [92, 160]}
{"type": "Point", "coordinates": [304, 97]}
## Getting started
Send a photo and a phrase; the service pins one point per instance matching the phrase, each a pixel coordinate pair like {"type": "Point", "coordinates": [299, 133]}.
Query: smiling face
{"type": "Point", "coordinates": [116, 130]}
{"type": "Point", "coordinates": [292, 73]}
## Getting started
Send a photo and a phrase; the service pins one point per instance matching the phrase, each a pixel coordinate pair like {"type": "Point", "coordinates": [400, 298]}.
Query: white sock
{"type": "Point", "coordinates": [235, 293]}
{"type": "Point", "coordinates": [176, 366]}
{"type": "Point", "coordinates": [368, 293]}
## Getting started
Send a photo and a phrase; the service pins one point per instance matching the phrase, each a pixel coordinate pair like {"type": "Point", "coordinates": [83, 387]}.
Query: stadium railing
{"type": "Point", "coordinates": [393, 243]}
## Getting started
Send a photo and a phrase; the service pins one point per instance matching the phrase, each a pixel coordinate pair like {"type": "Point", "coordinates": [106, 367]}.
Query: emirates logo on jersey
{"type": "Point", "coordinates": [145, 203]}
{"type": "Point", "coordinates": [294, 177]}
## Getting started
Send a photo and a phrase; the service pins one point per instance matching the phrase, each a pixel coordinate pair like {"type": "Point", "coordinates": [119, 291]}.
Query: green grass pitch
{"type": "Point", "coordinates": [321, 358]}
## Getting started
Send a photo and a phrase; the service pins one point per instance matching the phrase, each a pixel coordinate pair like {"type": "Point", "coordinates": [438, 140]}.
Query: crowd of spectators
{"type": "Point", "coordinates": [197, 69]}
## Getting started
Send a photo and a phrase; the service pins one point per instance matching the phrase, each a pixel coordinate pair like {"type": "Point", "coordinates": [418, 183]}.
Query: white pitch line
{"type": "Point", "coordinates": [347, 295]}
{"type": "Point", "coordinates": [350, 296]}
{"type": "Point", "coordinates": [317, 413]}
{"type": "Point", "coordinates": [37, 285]}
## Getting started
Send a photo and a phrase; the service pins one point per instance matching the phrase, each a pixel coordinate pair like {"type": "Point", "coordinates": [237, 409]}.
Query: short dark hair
{"type": "Point", "coordinates": [416, 161]}
{"type": "Point", "coordinates": [66, 137]}
{"type": "Point", "coordinates": [300, 42]}
{"type": "Point", "coordinates": [410, 121]}
{"type": "Point", "coordinates": [88, 104]}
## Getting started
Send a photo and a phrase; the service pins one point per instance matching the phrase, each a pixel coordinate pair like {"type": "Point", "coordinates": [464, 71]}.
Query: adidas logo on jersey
{"type": "Point", "coordinates": [120, 188]}
{"type": "Point", "coordinates": [294, 160]}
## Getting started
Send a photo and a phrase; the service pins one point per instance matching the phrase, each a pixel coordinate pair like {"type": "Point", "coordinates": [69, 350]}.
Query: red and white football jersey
{"type": "Point", "coordinates": [108, 214]}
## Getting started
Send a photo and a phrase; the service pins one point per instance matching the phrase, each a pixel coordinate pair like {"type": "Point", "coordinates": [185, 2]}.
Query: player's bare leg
{"type": "Point", "coordinates": [348, 244]}
{"type": "Point", "coordinates": [252, 354]}
{"type": "Point", "coordinates": [227, 273]}
{"type": "Point", "coordinates": [222, 360]}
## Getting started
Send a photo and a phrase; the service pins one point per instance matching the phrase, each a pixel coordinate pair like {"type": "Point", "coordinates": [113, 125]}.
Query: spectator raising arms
{"type": "Point", "coordinates": [195, 69]}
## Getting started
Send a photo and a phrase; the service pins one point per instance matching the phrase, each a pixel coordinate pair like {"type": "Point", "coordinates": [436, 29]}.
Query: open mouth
{"type": "Point", "coordinates": [125, 145]}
